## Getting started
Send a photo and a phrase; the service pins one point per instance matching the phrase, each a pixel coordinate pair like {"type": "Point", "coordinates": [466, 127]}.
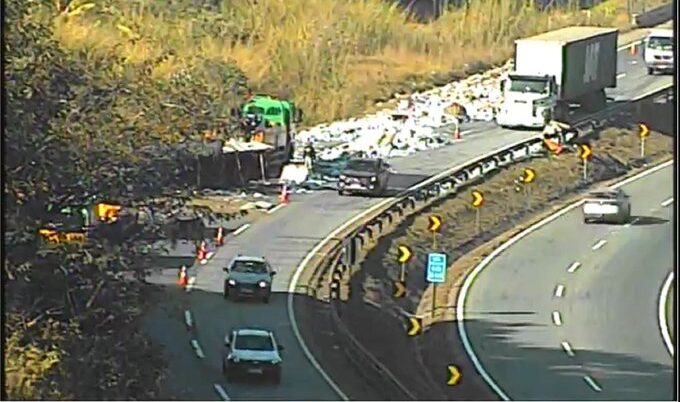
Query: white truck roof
{"type": "Point", "coordinates": [570, 34]}
{"type": "Point", "coordinates": [661, 33]}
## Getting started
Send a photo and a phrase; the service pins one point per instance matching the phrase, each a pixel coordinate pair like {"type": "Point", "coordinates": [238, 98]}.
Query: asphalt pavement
{"type": "Point", "coordinates": [569, 312]}
{"type": "Point", "coordinates": [288, 235]}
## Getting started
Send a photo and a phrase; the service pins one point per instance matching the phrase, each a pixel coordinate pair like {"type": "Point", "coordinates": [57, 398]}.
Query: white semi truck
{"type": "Point", "coordinates": [555, 69]}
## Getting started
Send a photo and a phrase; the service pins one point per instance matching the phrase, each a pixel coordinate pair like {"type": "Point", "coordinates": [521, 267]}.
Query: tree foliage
{"type": "Point", "coordinates": [79, 125]}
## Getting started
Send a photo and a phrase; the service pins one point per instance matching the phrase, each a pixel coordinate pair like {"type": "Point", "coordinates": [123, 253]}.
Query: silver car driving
{"type": "Point", "coordinates": [252, 351]}
{"type": "Point", "coordinates": [607, 205]}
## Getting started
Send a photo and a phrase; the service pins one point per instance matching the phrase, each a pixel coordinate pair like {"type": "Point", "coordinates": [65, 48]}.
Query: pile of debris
{"type": "Point", "coordinates": [419, 122]}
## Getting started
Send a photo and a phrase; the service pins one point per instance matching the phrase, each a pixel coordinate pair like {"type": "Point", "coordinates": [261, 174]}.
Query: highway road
{"type": "Point", "coordinates": [569, 312]}
{"type": "Point", "coordinates": [288, 235]}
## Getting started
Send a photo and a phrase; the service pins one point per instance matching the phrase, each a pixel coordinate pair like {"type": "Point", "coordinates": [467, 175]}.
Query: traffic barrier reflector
{"type": "Point", "coordinates": [553, 146]}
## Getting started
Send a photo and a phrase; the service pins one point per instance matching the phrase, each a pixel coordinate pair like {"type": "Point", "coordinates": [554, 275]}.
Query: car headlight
{"type": "Point", "coordinates": [262, 284]}
{"type": "Point", "coordinates": [276, 361]}
{"type": "Point", "coordinates": [233, 358]}
{"type": "Point", "coordinates": [232, 282]}
{"type": "Point", "coordinates": [373, 179]}
{"type": "Point", "coordinates": [343, 177]}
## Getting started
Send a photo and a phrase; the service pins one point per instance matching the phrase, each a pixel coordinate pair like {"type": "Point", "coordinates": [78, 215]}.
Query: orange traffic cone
{"type": "Point", "coordinates": [219, 239]}
{"type": "Point", "coordinates": [554, 147]}
{"type": "Point", "coordinates": [456, 133]}
{"type": "Point", "coordinates": [284, 197]}
{"type": "Point", "coordinates": [183, 280]}
{"type": "Point", "coordinates": [633, 49]}
{"type": "Point", "coordinates": [202, 251]}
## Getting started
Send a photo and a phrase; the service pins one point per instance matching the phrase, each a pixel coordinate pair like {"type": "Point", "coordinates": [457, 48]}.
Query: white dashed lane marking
{"type": "Point", "coordinates": [567, 348]}
{"type": "Point", "coordinates": [573, 267]}
{"type": "Point", "coordinates": [559, 290]}
{"type": "Point", "coordinates": [599, 244]}
{"type": "Point", "coordinates": [557, 318]}
{"type": "Point", "coordinates": [592, 383]}
{"type": "Point", "coordinates": [667, 202]}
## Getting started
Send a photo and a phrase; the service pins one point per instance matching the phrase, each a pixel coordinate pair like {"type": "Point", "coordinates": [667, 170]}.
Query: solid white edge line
{"type": "Point", "coordinates": [663, 322]}
{"type": "Point", "coordinates": [667, 202]}
{"type": "Point", "coordinates": [276, 208]}
{"type": "Point", "coordinates": [559, 290]}
{"type": "Point", "coordinates": [567, 348]}
{"type": "Point", "coordinates": [599, 244]}
{"type": "Point", "coordinates": [241, 229]}
{"type": "Point", "coordinates": [469, 279]}
{"type": "Point", "coordinates": [557, 318]}
{"type": "Point", "coordinates": [222, 392]}
{"type": "Point", "coordinates": [573, 267]}
{"type": "Point", "coordinates": [621, 75]}
{"type": "Point", "coordinates": [592, 383]}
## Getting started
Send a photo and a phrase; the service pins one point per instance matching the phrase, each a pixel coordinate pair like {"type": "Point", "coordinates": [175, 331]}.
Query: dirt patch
{"type": "Point", "coordinates": [418, 360]}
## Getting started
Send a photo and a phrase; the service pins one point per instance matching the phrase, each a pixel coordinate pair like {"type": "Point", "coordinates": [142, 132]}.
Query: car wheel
{"type": "Point", "coordinates": [586, 221]}
{"type": "Point", "coordinates": [233, 297]}
{"type": "Point", "coordinates": [265, 299]}
{"type": "Point", "coordinates": [226, 292]}
{"type": "Point", "coordinates": [341, 193]}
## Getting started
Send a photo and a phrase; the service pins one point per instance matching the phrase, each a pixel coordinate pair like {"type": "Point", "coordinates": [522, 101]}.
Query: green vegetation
{"type": "Point", "coordinates": [333, 58]}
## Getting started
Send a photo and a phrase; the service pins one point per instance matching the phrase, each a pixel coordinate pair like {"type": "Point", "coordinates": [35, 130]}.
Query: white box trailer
{"type": "Point", "coordinates": [555, 69]}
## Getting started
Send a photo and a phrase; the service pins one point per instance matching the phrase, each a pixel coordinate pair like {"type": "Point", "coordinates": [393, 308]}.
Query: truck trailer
{"type": "Point", "coordinates": [555, 69]}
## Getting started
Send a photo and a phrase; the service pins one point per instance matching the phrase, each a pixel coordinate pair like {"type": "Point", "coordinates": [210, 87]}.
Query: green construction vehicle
{"type": "Point", "coordinates": [271, 121]}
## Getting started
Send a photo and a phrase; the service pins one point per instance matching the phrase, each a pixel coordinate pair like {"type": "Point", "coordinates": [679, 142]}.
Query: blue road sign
{"type": "Point", "coordinates": [436, 268]}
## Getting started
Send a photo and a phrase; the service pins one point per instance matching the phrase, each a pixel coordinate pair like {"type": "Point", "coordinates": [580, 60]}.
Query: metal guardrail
{"type": "Point", "coordinates": [344, 254]}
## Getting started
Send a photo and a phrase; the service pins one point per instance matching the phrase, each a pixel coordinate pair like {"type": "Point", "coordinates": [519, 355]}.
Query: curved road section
{"type": "Point", "coordinates": [286, 237]}
{"type": "Point", "coordinates": [570, 311]}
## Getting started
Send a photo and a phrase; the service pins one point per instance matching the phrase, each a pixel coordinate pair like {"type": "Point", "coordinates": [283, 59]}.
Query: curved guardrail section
{"type": "Point", "coordinates": [336, 265]}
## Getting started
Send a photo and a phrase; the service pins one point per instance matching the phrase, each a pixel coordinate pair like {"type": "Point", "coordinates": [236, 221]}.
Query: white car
{"type": "Point", "coordinates": [607, 205]}
{"type": "Point", "coordinates": [658, 51]}
{"type": "Point", "coordinates": [252, 351]}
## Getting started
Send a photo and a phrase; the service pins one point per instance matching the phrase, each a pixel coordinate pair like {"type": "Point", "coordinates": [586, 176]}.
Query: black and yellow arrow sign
{"type": "Point", "coordinates": [435, 223]}
{"type": "Point", "coordinates": [454, 375]}
{"type": "Point", "coordinates": [528, 176]}
{"type": "Point", "coordinates": [414, 325]}
{"type": "Point", "coordinates": [644, 131]}
{"type": "Point", "coordinates": [404, 254]}
{"type": "Point", "coordinates": [477, 198]}
{"type": "Point", "coordinates": [585, 151]}
{"type": "Point", "coordinates": [399, 289]}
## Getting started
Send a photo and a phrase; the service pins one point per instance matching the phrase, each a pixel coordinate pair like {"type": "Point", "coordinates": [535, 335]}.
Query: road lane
{"type": "Point", "coordinates": [606, 343]}
{"type": "Point", "coordinates": [286, 236]}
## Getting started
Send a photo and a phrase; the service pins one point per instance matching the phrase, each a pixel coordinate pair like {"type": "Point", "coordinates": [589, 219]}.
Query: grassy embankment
{"type": "Point", "coordinates": [336, 59]}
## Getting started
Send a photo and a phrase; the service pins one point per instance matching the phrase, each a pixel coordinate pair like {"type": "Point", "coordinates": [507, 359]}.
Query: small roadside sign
{"type": "Point", "coordinates": [436, 268]}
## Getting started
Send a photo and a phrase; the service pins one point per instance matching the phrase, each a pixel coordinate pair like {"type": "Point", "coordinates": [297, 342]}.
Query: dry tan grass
{"type": "Point", "coordinates": [333, 57]}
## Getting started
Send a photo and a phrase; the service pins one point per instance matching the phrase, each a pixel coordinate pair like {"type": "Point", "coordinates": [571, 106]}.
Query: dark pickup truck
{"type": "Point", "coordinates": [364, 176]}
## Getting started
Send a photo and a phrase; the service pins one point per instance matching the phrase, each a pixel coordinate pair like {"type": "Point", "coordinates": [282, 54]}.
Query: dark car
{"type": "Point", "coordinates": [251, 351]}
{"type": "Point", "coordinates": [364, 176]}
{"type": "Point", "coordinates": [248, 277]}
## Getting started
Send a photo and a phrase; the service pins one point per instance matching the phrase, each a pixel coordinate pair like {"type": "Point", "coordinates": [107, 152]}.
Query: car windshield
{"type": "Point", "coordinates": [253, 342]}
{"type": "Point", "coordinates": [529, 86]}
{"type": "Point", "coordinates": [250, 267]}
{"type": "Point", "coordinates": [361, 165]}
{"type": "Point", "coordinates": [660, 43]}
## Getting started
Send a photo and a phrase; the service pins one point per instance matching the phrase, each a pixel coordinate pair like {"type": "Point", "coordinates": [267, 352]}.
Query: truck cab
{"type": "Point", "coordinates": [528, 100]}
{"type": "Point", "coordinates": [658, 51]}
